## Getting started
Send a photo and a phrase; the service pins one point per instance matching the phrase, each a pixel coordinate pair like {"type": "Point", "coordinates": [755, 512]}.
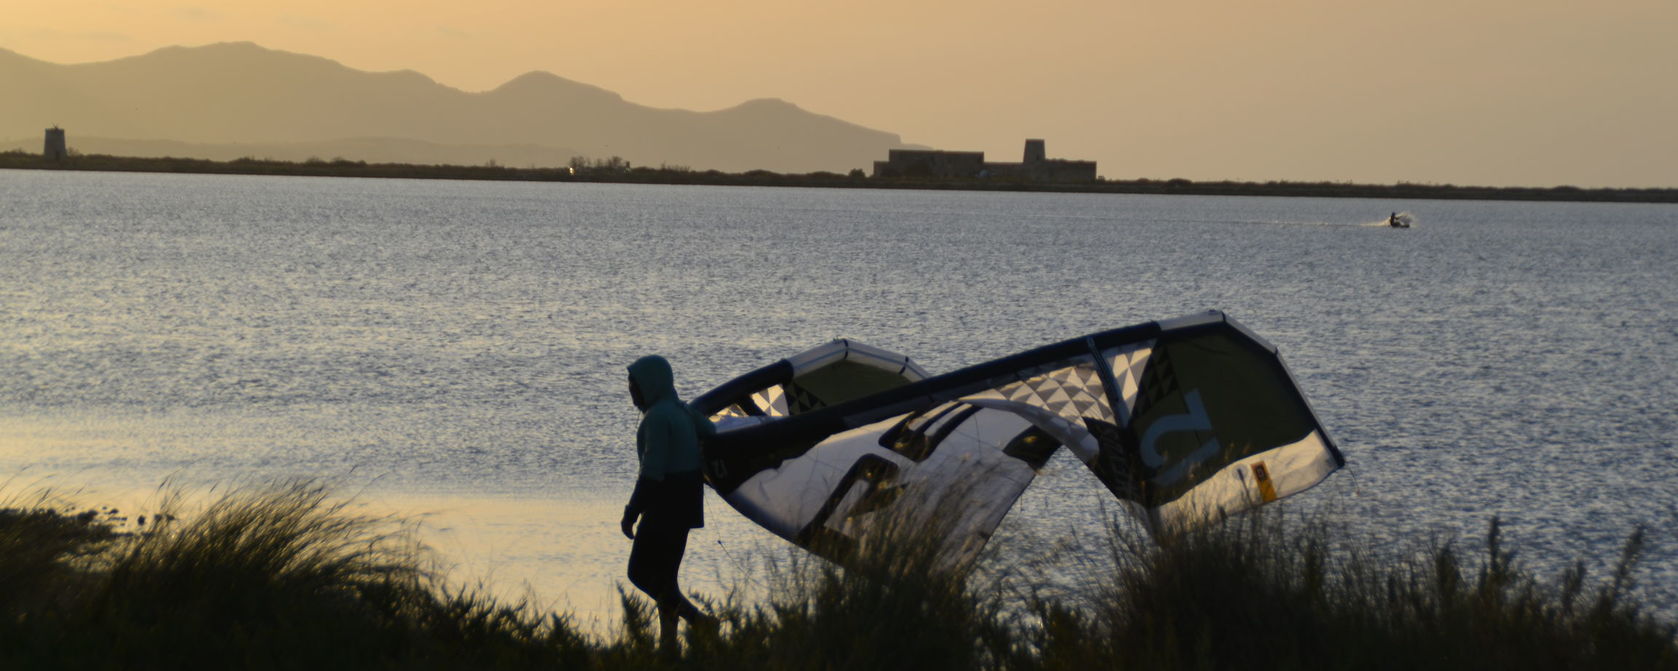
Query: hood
{"type": "Point", "coordinates": [653, 377]}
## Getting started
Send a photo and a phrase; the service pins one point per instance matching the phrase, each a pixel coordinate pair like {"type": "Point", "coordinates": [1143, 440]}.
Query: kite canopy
{"type": "Point", "coordinates": [1183, 420]}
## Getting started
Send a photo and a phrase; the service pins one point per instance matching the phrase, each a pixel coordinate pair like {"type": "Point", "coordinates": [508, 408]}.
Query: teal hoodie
{"type": "Point", "coordinates": [668, 440]}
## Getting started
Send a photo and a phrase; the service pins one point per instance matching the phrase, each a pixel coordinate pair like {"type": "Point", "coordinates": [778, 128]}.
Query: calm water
{"type": "Point", "coordinates": [456, 350]}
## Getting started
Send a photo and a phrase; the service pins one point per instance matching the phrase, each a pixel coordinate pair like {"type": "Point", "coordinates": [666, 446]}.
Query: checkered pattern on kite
{"type": "Point", "coordinates": [1128, 363]}
{"type": "Point", "coordinates": [1158, 382]}
{"type": "Point", "coordinates": [799, 400]}
{"type": "Point", "coordinates": [1111, 464]}
{"type": "Point", "coordinates": [772, 401]}
{"type": "Point", "coordinates": [1074, 392]}
{"type": "Point", "coordinates": [733, 410]}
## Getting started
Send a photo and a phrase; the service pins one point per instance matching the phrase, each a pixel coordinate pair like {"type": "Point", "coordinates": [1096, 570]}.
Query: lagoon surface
{"type": "Point", "coordinates": [454, 352]}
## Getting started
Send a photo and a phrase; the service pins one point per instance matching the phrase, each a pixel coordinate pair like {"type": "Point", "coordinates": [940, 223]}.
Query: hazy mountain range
{"type": "Point", "coordinates": [225, 101]}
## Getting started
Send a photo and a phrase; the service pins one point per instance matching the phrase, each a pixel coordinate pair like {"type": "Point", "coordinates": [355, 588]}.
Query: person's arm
{"type": "Point", "coordinates": [632, 512]}
{"type": "Point", "coordinates": [655, 435]}
{"type": "Point", "coordinates": [655, 460]}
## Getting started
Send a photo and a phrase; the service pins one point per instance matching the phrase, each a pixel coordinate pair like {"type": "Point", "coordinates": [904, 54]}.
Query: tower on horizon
{"type": "Point", "coordinates": [55, 149]}
{"type": "Point", "coordinates": [1034, 152]}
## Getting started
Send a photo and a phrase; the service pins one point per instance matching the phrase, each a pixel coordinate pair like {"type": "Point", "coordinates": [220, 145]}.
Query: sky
{"type": "Point", "coordinates": [1482, 92]}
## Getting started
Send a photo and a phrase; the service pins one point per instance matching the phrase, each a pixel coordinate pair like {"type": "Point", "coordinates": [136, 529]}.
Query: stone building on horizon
{"type": "Point", "coordinates": [1035, 166]}
{"type": "Point", "coordinates": [54, 148]}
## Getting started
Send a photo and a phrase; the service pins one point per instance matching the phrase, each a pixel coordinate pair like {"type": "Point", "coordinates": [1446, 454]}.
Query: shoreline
{"type": "Point", "coordinates": [856, 180]}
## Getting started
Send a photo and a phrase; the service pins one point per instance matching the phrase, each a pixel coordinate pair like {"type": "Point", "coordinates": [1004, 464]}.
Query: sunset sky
{"type": "Point", "coordinates": [1496, 92]}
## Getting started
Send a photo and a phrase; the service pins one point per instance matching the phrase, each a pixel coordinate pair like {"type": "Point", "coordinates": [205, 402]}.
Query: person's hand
{"type": "Point", "coordinates": [628, 523]}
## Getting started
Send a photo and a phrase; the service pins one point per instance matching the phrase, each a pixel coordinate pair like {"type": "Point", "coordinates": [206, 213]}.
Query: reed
{"type": "Point", "coordinates": [288, 577]}
{"type": "Point", "coordinates": [39, 549]}
{"type": "Point", "coordinates": [282, 576]}
{"type": "Point", "coordinates": [897, 602]}
{"type": "Point", "coordinates": [1255, 592]}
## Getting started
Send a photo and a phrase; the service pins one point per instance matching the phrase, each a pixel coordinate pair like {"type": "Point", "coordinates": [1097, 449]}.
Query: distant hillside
{"type": "Point", "coordinates": [239, 99]}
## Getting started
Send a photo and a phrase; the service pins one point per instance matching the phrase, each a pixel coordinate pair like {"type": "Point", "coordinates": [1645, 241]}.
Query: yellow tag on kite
{"type": "Point", "coordinates": [1267, 489]}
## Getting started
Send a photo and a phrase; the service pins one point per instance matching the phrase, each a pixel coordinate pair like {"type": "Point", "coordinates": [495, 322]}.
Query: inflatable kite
{"type": "Point", "coordinates": [1183, 420]}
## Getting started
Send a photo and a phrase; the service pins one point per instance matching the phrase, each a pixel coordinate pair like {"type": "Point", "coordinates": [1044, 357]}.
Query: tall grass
{"type": "Point", "coordinates": [289, 577]}
{"type": "Point", "coordinates": [276, 577]}
{"type": "Point", "coordinates": [1254, 592]}
{"type": "Point", "coordinates": [897, 603]}
{"type": "Point", "coordinates": [38, 547]}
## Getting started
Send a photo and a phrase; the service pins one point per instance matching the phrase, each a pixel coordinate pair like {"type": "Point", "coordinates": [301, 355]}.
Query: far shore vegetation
{"type": "Point", "coordinates": [289, 576]}
{"type": "Point", "coordinates": [617, 170]}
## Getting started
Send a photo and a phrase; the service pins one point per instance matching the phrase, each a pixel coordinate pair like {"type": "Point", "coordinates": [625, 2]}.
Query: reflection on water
{"type": "Point", "coordinates": [456, 350]}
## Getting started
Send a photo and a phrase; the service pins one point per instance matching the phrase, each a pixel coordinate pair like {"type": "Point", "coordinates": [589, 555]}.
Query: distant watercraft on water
{"type": "Point", "coordinates": [1396, 220]}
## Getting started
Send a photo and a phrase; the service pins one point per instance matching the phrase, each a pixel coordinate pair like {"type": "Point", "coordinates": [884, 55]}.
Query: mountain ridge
{"type": "Point", "coordinates": [241, 93]}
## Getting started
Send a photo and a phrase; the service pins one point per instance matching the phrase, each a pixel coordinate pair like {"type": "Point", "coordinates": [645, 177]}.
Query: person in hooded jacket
{"type": "Point", "coordinates": [669, 493]}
